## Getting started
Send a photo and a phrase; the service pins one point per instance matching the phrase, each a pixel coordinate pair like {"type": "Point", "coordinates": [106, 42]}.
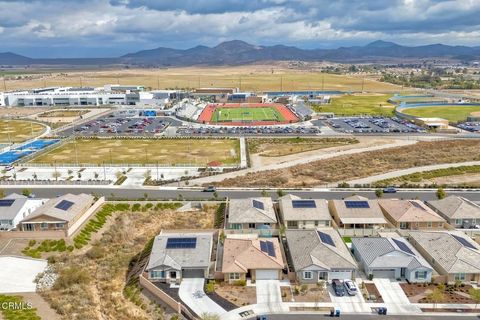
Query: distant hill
{"type": "Point", "coordinates": [239, 52]}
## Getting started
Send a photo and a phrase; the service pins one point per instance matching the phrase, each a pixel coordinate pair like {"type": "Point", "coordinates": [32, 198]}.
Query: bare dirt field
{"type": "Point", "coordinates": [18, 112]}
{"type": "Point", "coordinates": [250, 78]}
{"type": "Point", "coordinates": [348, 167]}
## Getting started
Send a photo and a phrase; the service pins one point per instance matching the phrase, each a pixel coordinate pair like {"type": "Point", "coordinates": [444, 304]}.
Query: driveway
{"type": "Point", "coordinates": [268, 291]}
{"type": "Point", "coordinates": [349, 304]}
{"type": "Point", "coordinates": [192, 294]}
{"type": "Point", "coordinates": [394, 298]}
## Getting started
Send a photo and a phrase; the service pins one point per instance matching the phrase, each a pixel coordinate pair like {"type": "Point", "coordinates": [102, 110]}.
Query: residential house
{"type": "Point", "coordinates": [452, 254]}
{"type": "Point", "coordinates": [298, 213]}
{"type": "Point", "coordinates": [175, 256]}
{"type": "Point", "coordinates": [319, 254]}
{"type": "Point", "coordinates": [14, 208]}
{"type": "Point", "coordinates": [357, 212]}
{"type": "Point", "coordinates": [251, 213]}
{"type": "Point", "coordinates": [458, 211]}
{"type": "Point", "coordinates": [252, 257]}
{"type": "Point", "coordinates": [59, 213]}
{"type": "Point", "coordinates": [392, 258]}
{"type": "Point", "coordinates": [411, 214]}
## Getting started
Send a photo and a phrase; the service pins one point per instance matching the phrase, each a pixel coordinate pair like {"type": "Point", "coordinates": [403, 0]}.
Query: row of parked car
{"type": "Point", "coordinates": [284, 130]}
{"type": "Point", "coordinates": [374, 124]}
{"type": "Point", "coordinates": [123, 126]}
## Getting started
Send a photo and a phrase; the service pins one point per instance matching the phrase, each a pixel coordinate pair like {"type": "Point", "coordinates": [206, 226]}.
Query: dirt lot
{"type": "Point", "coordinates": [312, 294]}
{"type": "Point", "coordinates": [348, 167]}
{"type": "Point", "coordinates": [238, 295]}
{"type": "Point", "coordinates": [17, 112]}
{"type": "Point", "coordinates": [372, 290]}
{"type": "Point", "coordinates": [91, 285]}
{"type": "Point", "coordinates": [418, 293]}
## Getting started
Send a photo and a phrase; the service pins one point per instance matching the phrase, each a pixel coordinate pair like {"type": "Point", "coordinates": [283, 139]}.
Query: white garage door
{"type": "Point", "coordinates": [266, 274]}
{"type": "Point", "coordinates": [384, 274]}
{"type": "Point", "coordinates": [340, 275]}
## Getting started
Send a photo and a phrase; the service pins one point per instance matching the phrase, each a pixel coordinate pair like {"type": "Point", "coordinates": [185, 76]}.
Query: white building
{"type": "Point", "coordinates": [16, 207]}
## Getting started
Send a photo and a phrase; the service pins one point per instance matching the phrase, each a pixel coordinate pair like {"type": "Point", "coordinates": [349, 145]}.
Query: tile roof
{"type": "Point", "coordinates": [241, 255]}
{"type": "Point", "coordinates": [243, 211]}
{"type": "Point", "coordinates": [409, 211]}
{"type": "Point", "coordinates": [448, 252]}
{"type": "Point", "coordinates": [289, 213]}
{"type": "Point", "coordinates": [455, 207]}
{"type": "Point", "coordinates": [307, 249]}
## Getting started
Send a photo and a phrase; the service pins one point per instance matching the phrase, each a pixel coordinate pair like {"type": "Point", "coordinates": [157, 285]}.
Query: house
{"type": "Point", "coordinates": [410, 214]}
{"type": "Point", "coordinates": [458, 211]}
{"type": "Point", "coordinates": [298, 213]}
{"type": "Point", "coordinates": [251, 213]}
{"type": "Point", "coordinates": [176, 256]}
{"type": "Point", "coordinates": [319, 254]}
{"type": "Point", "coordinates": [59, 213]}
{"type": "Point", "coordinates": [357, 212]}
{"type": "Point", "coordinates": [452, 254]}
{"type": "Point", "coordinates": [392, 258]}
{"type": "Point", "coordinates": [14, 208]}
{"type": "Point", "coordinates": [252, 257]}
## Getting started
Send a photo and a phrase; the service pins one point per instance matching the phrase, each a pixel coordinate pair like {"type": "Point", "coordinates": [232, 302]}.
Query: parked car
{"type": "Point", "coordinates": [262, 317]}
{"type": "Point", "coordinates": [389, 190]}
{"type": "Point", "coordinates": [8, 168]}
{"type": "Point", "coordinates": [338, 287]}
{"type": "Point", "coordinates": [350, 287]}
{"type": "Point", "coordinates": [210, 189]}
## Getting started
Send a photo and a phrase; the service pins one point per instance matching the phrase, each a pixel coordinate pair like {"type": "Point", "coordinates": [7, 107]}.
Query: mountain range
{"type": "Point", "coordinates": [238, 52]}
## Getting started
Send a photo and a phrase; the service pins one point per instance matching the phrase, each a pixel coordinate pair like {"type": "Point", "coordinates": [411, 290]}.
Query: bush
{"type": "Point", "coordinates": [71, 276]}
{"type": "Point", "coordinates": [31, 243]}
{"type": "Point", "coordinates": [210, 286]}
{"type": "Point", "coordinates": [240, 283]}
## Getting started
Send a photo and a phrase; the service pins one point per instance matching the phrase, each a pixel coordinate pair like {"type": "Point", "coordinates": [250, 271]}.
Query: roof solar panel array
{"type": "Point", "coordinates": [357, 204]}
{"type": "Point", "coordinates": [6, 202]}
{"type": "Point", "coordinates": [64, 205]}
{"type": "Point", "coordinates": [300, 204]}
{"type": "Point", "coordinates": [181, 243]}
{"type": "Point", "coordinates": [258, 205]}
{"type": "Point", "coordinates": [402, 246]}
{"type": "Point", "coordinates": [464, 242]}
{"type": "Point", "coordinates": [326, 238]}
{"type": "Point", "coordinates": [268, 248]}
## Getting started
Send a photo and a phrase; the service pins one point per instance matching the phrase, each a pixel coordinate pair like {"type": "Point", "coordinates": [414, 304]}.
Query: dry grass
{"type": "Point", "coordinates": [20, 111]}
{"type": "Point", "coordinates": [361, 165]}
{"type": "Point", "coordinates": [19, 130]}
{"type": "Point", "coordinates": [248, 78]}
{"type": "Point", "coordinates": [238, 295]}
{"type": "Point", "coordinates": [277, 147]}
{"type": "Point", "coordinates": [63, 113]}
{"type": "Point", "coordinates": [91, 286]}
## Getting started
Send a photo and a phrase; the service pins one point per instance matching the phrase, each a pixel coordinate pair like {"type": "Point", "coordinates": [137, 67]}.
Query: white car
{"type": "Point", "coordinates": [350, 286]}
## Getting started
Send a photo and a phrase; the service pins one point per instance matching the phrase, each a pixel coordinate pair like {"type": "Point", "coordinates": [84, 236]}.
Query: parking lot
{"type": "Point", "coordinates": [470, 126]}
{"type": "Point", "coordinates": [269, 130]}
{"type": "Point", "coordinates": [122, 126]}
{"type": "Point", "coordinates": [373, 125]}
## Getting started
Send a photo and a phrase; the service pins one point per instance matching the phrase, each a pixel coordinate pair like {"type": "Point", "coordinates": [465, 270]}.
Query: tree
{"type": "Point", "coordinates": [264, 193]}
{"type": "Point", "coordinates": [147, 174]}
{"type": "Point", "coordinates": [118, 174]}
{"type": "Point", "coordinates": [441, 193]}
{"type": "Point", "coordinates": [475, 296]}
{"type": "Point", "coordinates": [379, 193]}
{"type": "Point", "coordinates": [2, 193]}
{"type": "Point", "coordinates": [280, 192]}
{"type": "Point", "coordinates": [437, 296]}
{"type": "Point", "coordinates": [79, 175]}
{"type": "Point", "coordinates": [95, 175]}
{"type": "Point", "coordinates": [34, 176]}
{"type": "Point", "coordinates": [26, 192]}
{"type": "Point", "coordinates": [56, 175]}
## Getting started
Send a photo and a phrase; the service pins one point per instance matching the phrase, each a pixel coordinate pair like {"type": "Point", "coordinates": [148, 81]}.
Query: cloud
{"type": "Point", "coordinates": [115, 27]}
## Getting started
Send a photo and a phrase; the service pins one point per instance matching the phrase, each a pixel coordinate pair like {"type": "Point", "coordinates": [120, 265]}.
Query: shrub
{"type": "Point", "coordinates": [240, 283]}
{"type": "Point", "coordinates": [70, 276]}
{"type": "Point", "coordinates": [210, 286]}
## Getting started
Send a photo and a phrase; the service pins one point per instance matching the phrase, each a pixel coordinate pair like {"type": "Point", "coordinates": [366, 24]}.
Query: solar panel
{"type": "Point", "coordinates": [258, 204]}
{"type": "Point", "coordinates": [181, 243]}
{"type": "Point", "coordinates": [270, 249]}
{"type": "Point", "coordinates": [357, 204]}
{"type": "Point", "coordinates": [464, 242]}
{"type": "Point", "coordinates": [263, 246]}
{"type": "Point", "coordinates": [402, 246]}
{"type": "Point", "coordinates": [304, 204]}
{"type": "Point", "coordinates": [326, 238]}
{"type": "Point", "coordinates": [6, 202]}
{"type": "Point", "coordinates": [64, 205]}
{"type": "Point", "coordinates": [417, 205]}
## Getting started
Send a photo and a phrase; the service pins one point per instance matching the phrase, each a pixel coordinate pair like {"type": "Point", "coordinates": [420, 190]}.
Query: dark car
{"type": "Point", "coordinates": [389, 190]}
{"type": "Point", "coordinates": [338, 287]}
{"type": "Point", "coordinates": [210, 189]}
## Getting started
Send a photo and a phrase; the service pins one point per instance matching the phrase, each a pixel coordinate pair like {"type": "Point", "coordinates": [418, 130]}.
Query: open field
{"type": "Point", "coordinates": [345, 168]}
{"type": "Point", "coordinates": [140, 151]}
{"type": "Point", "coordinates": [19, 130]}
{"type": "Point", "coordinates": [277, 147]}
{"type": "Point", "coordinates": [63, 113]}
{"type": "Point", "coordinates": [246, 114]}
{"type": "Point", "coordinates": [350, 105]}
{"type": "Point", "coordinates": [451, 113]}
{"type": "Point", "coordinates": [15, 112]}
{"type": "Point", "coordinates": [248, 78]}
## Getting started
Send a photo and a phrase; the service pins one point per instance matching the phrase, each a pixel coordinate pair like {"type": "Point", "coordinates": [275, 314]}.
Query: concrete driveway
{"type": "Point", "coordinates": [18, 273]}
{"type": "Point", "coordinates": [268, 291]}
{"type": "Point", "coordinates": [394, 298]}
{"type": "Point", "coordinates": [349, 304]}
{"type": "Point", "coordinates": [192, 294]}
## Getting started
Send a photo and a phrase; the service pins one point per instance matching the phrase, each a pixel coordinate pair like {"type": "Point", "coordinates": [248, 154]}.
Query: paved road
{"type": "Point", "coordinates": [172, 193]}
{"type": "Point", "coordinates": [367, 317]}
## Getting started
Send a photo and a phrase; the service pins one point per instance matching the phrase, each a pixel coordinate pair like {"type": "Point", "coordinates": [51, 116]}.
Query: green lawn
{"type": "Point", "coordinates": [140, 151]}
{"type": "Point", "coordinates": [350, 105]}
{"type": "Point", "coordinates": [246, 114]}
{"type": "Point", "coordinates": [451, 113]}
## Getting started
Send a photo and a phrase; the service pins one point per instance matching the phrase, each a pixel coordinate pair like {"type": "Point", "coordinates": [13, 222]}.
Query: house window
{"type": "Point", "coordinates": [157, 274]}
{"type": "Point", "coordinates": [459, 276]}
{"type": "Point", "coordinates": [322, 275]}
{"type": "Point", "coordinates": [403, 225]}
{"type": "Point", "coordinates": [458, 222]}
{"type": "Point", "coordinates": [420, 275]}
{"type": "Point", "coordinates": [292, 224]}
{"type": "Point", "coordinates": [44, 226]}
{"type": "Point", "coordinates": [266, 224]}
{"type": "Point", "coordinates": [59, 225]}
{"type": "Point", "coordinates": [316, 223]}
{"type": "Point", "coordinates": [251, 225]}
{"type": "Point", "coordinates": [429, 224]}
{"type": "Point", "coordinates": [236, 226]}
{"type": "Point", "coordinates": [307, 275]}
{"type": "Point", "coordinates": [234, 276]}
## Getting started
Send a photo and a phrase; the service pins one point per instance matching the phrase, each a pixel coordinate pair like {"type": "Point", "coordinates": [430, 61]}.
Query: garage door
{"type": "Point", "coordinates": [340, 275]}
{"type": "Point", "coordinates": [385, 274]}
{"type": "Point", "coordinates": [193, 273]}
{"type": "Point", "coordinates": [266, 274]}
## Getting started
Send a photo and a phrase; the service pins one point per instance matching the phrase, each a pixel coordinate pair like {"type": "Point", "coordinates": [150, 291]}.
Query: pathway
{"type": "Point", "coordinates": [192, 294]}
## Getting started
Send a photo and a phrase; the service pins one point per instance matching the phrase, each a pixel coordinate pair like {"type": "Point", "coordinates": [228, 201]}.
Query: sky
{"type": "Point", "coordinates": [110, 28]}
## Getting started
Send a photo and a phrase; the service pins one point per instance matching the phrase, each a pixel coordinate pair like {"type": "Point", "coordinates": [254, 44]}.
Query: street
{"type": "Point", "coordinates": [298, 316]}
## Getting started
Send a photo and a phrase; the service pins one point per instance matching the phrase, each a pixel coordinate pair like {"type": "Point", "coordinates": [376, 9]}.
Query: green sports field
{"type": "Point", "coordinates": [246, 114]}
{"type": "Point", "coordinates": [451, 113]}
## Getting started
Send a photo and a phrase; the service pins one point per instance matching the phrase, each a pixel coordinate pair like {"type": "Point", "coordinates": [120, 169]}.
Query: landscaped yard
{"type": "Point", "coordinates": [360, 165]}
{"type": "Point", "coordinates": [276, 147]}
{"type": "Point", "coordinates": [308, 293]}
{"type": "Point", "coordinates": [13, 313]}
{"type": "Point", "coordinates": [350, 105]}
{"type": "Point", "coordinates": [371, 292]}
{"type": "Point", "coordinates": [12, 131]}
{"type": "Point", "coordinates": [451, 113]}
{"type": "Point", "coordinates": [198, 152]}
{"type": "Point", "coordinates": [419, 293]}
{"type": "Point", "coordinates": [238, 295]}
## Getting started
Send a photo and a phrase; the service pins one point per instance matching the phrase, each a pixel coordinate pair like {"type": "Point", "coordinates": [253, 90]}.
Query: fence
{"type": "Point", "coordinates": [85, 217]}
{"type": "Point", "coordinates": [363, 232]}
{"type": "Point", "coordinates": [53, 182]}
